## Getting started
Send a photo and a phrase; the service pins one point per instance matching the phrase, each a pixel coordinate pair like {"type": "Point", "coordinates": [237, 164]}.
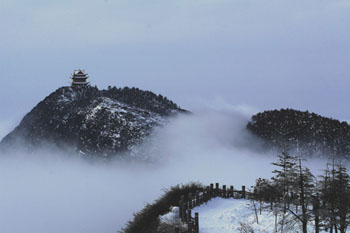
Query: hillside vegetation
{"type": "Point", "coordinates": [303, 132]}
{"type": "Point", "coordinates": [147, 220]}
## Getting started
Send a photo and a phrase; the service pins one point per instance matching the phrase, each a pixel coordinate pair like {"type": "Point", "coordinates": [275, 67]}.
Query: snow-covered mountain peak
{"type": "Point", "coordinates": [92, 121]}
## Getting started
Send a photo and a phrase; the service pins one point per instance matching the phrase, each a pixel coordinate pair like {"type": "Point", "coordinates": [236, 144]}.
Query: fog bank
{"type": "Point", "coordinates": [54, 192]}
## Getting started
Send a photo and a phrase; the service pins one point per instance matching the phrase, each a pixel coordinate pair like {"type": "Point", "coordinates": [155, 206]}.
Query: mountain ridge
{"type": "Point", "coordinates": [92, 121]}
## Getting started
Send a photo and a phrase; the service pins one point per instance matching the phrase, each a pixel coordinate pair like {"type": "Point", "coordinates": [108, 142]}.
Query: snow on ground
{"type": "Point", "coordinates": [231, 215]}
{"type": "Point", "coordinates": [170, 217]}
{"type": "Point", "coordinates": [226, 215]}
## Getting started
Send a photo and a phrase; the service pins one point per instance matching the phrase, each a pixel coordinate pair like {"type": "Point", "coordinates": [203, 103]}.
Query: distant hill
{"type": "Point", "coordinates": [92, 121]}
{"type": "Point", "coordinates": [303, 132]}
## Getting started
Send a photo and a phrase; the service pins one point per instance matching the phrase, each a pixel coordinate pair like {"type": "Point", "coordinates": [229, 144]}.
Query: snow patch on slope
{"type": "Point", "coordinates": [231, 215]}
{"type": "Point", "coordinates": [170, 217]}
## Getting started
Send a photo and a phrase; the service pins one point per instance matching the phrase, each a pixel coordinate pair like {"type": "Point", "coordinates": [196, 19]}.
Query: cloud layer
{"type": "Point", "coordinates": [53, 192]}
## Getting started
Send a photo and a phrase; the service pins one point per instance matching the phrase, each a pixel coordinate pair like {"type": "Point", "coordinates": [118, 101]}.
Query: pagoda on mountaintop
{"type": "Point", "coordinates": [79, 78]}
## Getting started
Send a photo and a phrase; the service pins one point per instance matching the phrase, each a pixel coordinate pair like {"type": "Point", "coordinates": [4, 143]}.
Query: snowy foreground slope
{"type": "Point", "coordinates": [235, 215]}
{"type": "Point", "coordinates": [227, 215]}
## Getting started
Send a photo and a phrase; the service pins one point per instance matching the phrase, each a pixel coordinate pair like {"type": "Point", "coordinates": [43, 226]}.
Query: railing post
{"type": "Point", "coordinates": [231, 191]}
{"type": "Point", "coordinates": [243, 191]}
{"type": "Point", "coordinates": [216, 189]}
{"type": "Point", "coordinates": [224, 191]}
{"type": "Point", "coordinates": [196, 222]}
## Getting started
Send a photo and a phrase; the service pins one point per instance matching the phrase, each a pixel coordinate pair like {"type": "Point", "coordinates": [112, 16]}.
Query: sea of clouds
{"type": "Point", "coordinates": [54, 192]}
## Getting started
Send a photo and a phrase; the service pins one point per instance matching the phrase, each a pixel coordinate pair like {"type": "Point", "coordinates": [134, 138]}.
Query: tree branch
{"type": "Point", "coordinates": [292, 212]}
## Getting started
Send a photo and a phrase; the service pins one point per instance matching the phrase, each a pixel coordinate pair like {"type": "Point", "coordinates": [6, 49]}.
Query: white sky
{"type": "Point", "coordinates": [265, 54]}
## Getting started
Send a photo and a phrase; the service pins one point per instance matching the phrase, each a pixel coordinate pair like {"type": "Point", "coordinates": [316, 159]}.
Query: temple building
{"type": "Point", "coordinates": [79, 78]}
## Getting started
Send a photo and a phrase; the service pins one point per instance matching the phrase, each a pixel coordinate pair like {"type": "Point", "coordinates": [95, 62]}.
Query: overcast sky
{"type": "Point", "coordinates": [263, 54]}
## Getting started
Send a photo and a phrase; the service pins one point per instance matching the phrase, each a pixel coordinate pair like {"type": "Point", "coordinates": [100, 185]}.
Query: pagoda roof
{"type": "Point", "coordinates": [79, 72]}
{"type": "Point", "coordinates": [75, 82]}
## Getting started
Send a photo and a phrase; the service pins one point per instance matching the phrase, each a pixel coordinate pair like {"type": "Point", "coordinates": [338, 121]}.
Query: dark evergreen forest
{"type": "Point", "coordinates": [305, 133]}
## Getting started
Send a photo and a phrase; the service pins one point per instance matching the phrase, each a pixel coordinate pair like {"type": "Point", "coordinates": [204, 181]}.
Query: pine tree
{"type": "Point", "coordinates": [294, 178]}
{"type": "Point", "coordinates": [326, 199]}
{"type": "Point", "coordinates": [284, 182]}
{"type": "Point", "coordinates": [285, 178]}
{"type": "Point", "coordinates": [291, 184]}
{"type": "Point", "coordinates": [335, 197]}
{"type": "Point", "coordinates": [316, 211]}
{"type": "Point", "coordinates": [342, 203]}
{"type": "Point", "coordinates": [305, 187]}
